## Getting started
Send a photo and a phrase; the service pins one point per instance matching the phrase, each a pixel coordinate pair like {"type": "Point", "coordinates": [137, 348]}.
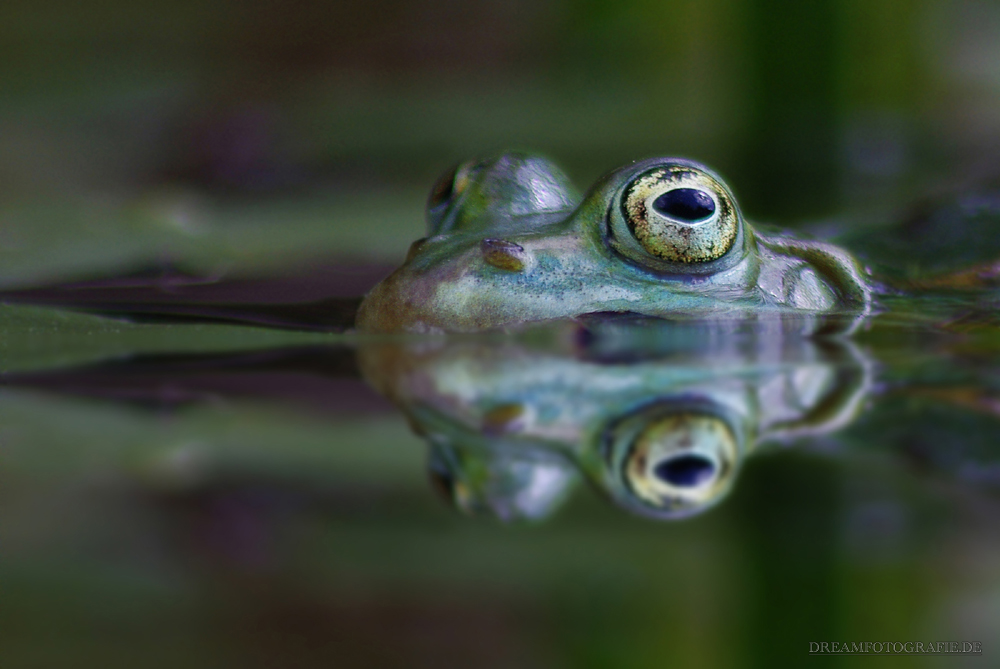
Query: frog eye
{"type": "Point", "coordinates": [679, 214]}
{"type": "Point", "coordinates": [445, 192]}
{"type": "Point", "coordinates": [442, 191]}
{"type": "Point", "coordinates": [670, 464]}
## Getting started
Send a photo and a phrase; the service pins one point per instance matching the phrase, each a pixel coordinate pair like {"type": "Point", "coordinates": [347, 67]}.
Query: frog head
{"type": "Point", "coordinates": [510, 242]}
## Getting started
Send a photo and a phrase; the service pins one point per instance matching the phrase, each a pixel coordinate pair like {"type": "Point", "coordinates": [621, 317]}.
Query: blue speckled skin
{"type": "Point", "coordinates": [511, 242]}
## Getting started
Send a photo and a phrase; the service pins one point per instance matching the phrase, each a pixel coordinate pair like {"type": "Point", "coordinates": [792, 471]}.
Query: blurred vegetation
{"type": "Point", "coordinates": [325, 123]}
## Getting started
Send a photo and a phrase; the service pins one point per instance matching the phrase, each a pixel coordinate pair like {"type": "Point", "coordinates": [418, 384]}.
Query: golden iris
{"type": "Point", "coordinates": [681, 214]}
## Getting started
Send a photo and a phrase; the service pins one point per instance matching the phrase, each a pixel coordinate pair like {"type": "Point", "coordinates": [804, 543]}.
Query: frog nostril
{"type": "Point", "coordinates": [502, 254]}
{"type": "Point", "coordinates": [686, 471]}
{"type": "Point", "coordinates": [685, 204]}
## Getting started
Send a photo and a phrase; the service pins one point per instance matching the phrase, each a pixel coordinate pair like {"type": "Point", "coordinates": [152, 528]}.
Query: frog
{"type": "Point", "coordinates": [511, 241]}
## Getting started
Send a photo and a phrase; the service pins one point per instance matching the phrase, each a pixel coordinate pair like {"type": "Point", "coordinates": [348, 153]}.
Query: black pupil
{"type": "Point", "coordinates": [686, 471]}
{"type": "Point", "coordinates": [685, 204]}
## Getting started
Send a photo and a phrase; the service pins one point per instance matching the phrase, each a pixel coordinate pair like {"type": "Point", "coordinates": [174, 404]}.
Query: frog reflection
{"type": "Point", "coordinates": [511, 242]}
{"type": "Point", "coordinates": [659, 421]}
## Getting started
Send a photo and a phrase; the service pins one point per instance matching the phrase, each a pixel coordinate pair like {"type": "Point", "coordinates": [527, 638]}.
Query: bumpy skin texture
{"type": "Point", "coordinates": [510, 242]}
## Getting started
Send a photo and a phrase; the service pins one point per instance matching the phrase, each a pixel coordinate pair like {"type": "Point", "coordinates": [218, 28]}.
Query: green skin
{"type": "Point", "coordinates": [512, 427]}
{"type": "Point", "coordinates": [511, 242]}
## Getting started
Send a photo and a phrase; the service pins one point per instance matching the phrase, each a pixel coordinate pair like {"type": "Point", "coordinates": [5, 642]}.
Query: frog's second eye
{"type": "Point", "coordinates": [443, 190]}
{"type": "Point", "coordinates": [680, 214]}
{"type": "Point", "coordinates": [445, 193]}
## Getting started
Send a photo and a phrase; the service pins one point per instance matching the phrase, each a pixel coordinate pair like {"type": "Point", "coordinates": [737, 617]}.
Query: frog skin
{"type": "Point", "coordinates": [659, 424]}
{"type": "Point", "coordinates": [510, 241]}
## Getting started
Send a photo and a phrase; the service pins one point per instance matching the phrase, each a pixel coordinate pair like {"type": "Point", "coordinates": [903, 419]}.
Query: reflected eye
{"type": "Point", "coordinates": [447, 480]}
{"type": "Point", "coordinates": [443, 481]}
{"type": "Point", "coordinates": [674, 458]}
{"type": "Point", "coordinates": [679, 214]}
{"type": "Point", "coordinates": [669, 460]}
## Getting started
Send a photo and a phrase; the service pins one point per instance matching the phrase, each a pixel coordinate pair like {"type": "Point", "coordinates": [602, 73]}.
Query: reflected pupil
{"type": "Point", "coordinates": [686, 471]}
{"type": "Point", "coordinates": [685, 204]}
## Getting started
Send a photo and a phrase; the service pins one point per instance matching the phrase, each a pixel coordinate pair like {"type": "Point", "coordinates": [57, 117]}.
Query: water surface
{"type": "Point", "coordinates": [215, 494]}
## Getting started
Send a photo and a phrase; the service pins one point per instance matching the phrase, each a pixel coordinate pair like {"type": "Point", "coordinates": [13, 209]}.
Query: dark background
{"type": "Point", "coordinates": [346, 111]}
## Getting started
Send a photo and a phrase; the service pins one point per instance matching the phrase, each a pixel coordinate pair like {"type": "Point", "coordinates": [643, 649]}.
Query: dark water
{"type": "Point", "coordinates": [598, 493]}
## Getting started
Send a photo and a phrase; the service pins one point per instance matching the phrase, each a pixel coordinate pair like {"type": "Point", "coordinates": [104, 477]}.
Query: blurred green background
{"type": "Point", "coordinates": [244, 136]}
{"type": "Point", "coordinates": [221, 133]}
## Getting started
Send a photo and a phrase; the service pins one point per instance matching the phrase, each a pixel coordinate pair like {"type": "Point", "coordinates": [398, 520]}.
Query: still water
{"type": "Point", "coordinates": [603, 492]}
